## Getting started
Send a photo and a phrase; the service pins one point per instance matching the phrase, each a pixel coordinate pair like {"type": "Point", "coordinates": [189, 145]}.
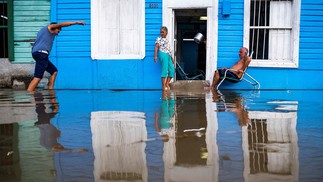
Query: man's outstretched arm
{"type": "Point", "coordinates": [66, 24]}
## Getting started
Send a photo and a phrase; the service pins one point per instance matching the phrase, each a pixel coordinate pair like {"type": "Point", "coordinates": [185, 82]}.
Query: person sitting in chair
{"type": "Point", "coordinates": [240, 66]}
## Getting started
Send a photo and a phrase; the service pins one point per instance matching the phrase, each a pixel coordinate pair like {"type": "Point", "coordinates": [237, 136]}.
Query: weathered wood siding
{"type": "Point", "coordinates": [29, 17]}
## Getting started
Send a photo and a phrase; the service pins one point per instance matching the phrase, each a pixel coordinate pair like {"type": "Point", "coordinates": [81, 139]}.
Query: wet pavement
{"type": "Point", "coordinates": [104, 135]}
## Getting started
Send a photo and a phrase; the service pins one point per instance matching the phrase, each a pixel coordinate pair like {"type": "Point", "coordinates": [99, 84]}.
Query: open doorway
{"type": "Point", "coordinates": [190, 55]}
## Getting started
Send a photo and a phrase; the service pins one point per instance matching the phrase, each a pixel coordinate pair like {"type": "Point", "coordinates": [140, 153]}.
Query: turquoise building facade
{"type": "Point", "coordinates": [73, 55]}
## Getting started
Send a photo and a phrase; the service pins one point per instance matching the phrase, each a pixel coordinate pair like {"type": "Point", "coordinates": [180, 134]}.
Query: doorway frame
{"type": "Point", "coordinates": [169, 7]}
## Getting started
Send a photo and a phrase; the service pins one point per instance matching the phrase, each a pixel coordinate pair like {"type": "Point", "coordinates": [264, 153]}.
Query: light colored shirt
{"type": "Point", "coordinates": [164, 45]}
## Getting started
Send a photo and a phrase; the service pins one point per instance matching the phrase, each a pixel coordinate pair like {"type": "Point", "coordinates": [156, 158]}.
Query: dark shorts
{"type": "Point", "coordinates": [229, 75]}
{"type": "Point", "coordinates": [43, 64]}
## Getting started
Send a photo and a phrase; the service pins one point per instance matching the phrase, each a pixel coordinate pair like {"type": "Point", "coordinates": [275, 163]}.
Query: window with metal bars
{"type": "Point", "coordinates": [257, 134]}
{"type": "Point", "coordinates": [272, 32]}
{"type": "Point", "coordinates": [3, 29]}
{"type": "Point", "coordinates": [6, 45]}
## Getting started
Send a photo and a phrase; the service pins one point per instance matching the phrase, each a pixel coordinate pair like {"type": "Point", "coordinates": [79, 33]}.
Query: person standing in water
{"type": "Point", "coordinates": [41, 50]}
{"type": "Point", "coordinates": [162, 48]}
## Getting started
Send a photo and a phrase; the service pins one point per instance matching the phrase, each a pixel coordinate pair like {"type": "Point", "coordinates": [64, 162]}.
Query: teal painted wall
{"type": "Point", "coordinates": [29, 17]}
{"type": "Point", "coordinates": [310, 53]}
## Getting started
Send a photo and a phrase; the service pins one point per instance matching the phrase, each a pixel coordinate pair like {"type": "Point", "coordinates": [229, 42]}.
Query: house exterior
{"type": "Point", "coordinates": [115, 49]}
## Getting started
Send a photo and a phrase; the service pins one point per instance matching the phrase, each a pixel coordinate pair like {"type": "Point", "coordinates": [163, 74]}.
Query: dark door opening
{"type": "Point", "coordinates": [191, 56]}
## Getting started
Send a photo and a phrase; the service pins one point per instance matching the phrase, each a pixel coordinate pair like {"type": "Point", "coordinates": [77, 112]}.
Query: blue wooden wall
{"type": "Point", "coordinates": [310, 54]}
{"type": "Point", "coordinates": [311, 35]}
{"type": "Point", "coordinates": [78, 71]}
{"type": "Point", "coordinates": [76, 68]}
{"type": "Point", "coordinates": [230, 39]}
{"type": "Point", "coordinates": [230, 32]}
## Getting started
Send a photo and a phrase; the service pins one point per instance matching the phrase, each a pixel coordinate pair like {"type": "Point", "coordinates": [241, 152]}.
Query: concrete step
{"type": "Point", "coordinates": [189, 85]}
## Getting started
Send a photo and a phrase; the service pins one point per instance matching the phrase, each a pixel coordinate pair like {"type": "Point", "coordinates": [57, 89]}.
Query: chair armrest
{"type": "Point", "coordinates": [233, 70]}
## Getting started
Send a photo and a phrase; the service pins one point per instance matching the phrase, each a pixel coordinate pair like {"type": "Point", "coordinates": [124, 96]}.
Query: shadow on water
{"type": "Point", "coordinates": [99, 135]}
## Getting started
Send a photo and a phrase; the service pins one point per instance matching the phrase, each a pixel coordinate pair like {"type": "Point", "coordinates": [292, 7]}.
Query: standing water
{"type": "Point", "coordinates": [102, 135]}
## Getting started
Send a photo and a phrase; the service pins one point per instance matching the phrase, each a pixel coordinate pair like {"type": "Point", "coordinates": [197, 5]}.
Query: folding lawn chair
{"type": "Point", "coordinates": [196, 75]}
{"type": "Point", "coordinates": [249, 78]}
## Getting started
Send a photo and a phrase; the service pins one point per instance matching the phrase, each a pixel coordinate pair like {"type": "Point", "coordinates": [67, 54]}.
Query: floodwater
{"type": "Point", "coordinates": [104, 135]}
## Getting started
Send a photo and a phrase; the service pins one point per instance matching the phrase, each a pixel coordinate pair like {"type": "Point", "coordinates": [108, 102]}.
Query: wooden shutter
{"type": "Point", "coordinates": [118, 30]}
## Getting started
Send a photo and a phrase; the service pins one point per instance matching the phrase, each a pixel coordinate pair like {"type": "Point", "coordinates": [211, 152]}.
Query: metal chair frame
{"type": "Point", "coordinates": [250, 79]}
{"type": "Point", "coordinates": [199, 74]}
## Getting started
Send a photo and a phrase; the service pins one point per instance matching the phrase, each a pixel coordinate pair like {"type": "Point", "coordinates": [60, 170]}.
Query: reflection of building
{"type": "Point", "coordinates": [19, 107]}
{"type": "Point", "coordinates": [118, 150]}
{"type": "Point", "coordinates": [270, 147]}
{"type": "Point", "coordinates": [9, 155]}
{"type": "Point", "coordinates": [191, 154]}
{"type": "Point", "coordinates": [18, 136]}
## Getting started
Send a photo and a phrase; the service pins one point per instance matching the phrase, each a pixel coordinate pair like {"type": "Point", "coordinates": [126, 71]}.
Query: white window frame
{"type": "Point", "coordinates": [282, 141]}
{"type": "Point", "coordinates": [293, 61]}
{"type": "Point", "coordinates": [99, 18]}
{"type": "Point", "coordinates": [169, 6]}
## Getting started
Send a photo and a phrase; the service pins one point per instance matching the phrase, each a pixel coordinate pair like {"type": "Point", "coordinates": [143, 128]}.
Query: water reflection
{"type": "Point", "coordinates": [269, 138]}
{"type": "Point", "coordinates": [16, 106]}
{"type": "Point", "coordinates": [228, 136]}
{"type": "Point", "coordinates": [194, 146]}
{"type": "Point", "coordinates": [48, 132]}
{"type": "Point", "coordinates": [20, 152]}
{"type": "Point", "coordinates": [165, 118]}
{"type": "Point", "coordinates": [233, 102]}
{"type": "Point", "coordinates": [270, 147]}
{"type": "Point", "coordinates": [191, 153]}
{"type": "Point", "coordinates": [9, 151]}
{"type": "Point", "coordinates": [46, 109]}
{"type": "Point", "coordinates": [117, 144]}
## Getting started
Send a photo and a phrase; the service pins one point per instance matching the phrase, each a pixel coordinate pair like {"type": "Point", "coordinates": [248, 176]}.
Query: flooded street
{"type": "Point", "coordinates": [104, 135]}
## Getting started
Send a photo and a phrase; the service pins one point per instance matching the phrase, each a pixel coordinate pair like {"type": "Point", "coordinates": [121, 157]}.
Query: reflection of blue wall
{"type": "Point", "coordinates": [229, 145]}
{"type": "Point", "coordinates": [306, 101]}
{"type": "Point", "coordinates": [268, 100]}
{"type": "Point", "coordinates": [75, 107]}
{"type": "Point", "coordinates": [309, 127]}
